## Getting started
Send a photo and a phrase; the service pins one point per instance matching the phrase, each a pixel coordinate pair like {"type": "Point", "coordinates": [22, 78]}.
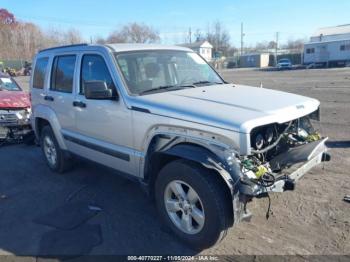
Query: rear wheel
{"type": "Point", "coordinates": [55, 157]}
{"type": "Point", "coordinates": [192, 203]}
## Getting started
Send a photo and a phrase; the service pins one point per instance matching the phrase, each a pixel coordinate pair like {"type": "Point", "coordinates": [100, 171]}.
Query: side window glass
{"type": "Point", "coordinates": [94, 68]}
{"type": "Point", "coordinates": [63, 73]}
{"type": "Point", "coordinates": [40, 72]}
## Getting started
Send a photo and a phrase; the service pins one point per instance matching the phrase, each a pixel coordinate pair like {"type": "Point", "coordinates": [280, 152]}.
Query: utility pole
{"type": "Point", "coordinates": [190, 35]}
{"type": "Point", "coordinates": [242, 36]}
{"type": "Point", "coordinates": [276, 51]}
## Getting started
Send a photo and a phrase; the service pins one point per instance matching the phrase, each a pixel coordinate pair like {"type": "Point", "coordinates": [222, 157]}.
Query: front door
{"type": "Point", "coordinates": [103, 127]}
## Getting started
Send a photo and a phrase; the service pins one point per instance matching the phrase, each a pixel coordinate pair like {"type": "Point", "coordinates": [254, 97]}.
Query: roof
{"type": "Point", "coordinates": [333, 30]}
{"type": "Point", "coordinates": [136, 47]}
{"type": "Point", "coordinates": [116, 47]}
{"type": "Point", "coordinates": [197, 44]}
{"type": "Point", "coordinates": [317, 42]}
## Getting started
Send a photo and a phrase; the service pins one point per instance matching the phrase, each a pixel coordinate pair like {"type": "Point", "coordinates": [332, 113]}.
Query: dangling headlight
{"type": "Point", "coordinates": [259, 141]}
{"type": "Point", "coordinates": [23, 115]}
{"type": "Point", "coordinates": [269, 134]}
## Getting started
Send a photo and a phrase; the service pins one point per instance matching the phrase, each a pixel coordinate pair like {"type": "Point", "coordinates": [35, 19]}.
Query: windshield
{"type": "Point", "coordinates": [8, 84]}
{"type": "Point", "coordinates": [164, 70]}
{"type": "Point", "coordinates": [284, 61]}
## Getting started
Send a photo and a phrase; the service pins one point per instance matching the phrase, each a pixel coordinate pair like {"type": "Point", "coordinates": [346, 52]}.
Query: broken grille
{"type": "Point", "coordinates": [8, 118]}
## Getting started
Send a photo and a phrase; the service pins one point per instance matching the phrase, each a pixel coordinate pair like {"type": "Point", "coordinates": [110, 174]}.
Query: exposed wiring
{"type": "Point", "coordinates": [267, 180]}
{"type": "Point", "coordinates": [275, 143]}
{"type": "Point", "coordinates": [268, 207]}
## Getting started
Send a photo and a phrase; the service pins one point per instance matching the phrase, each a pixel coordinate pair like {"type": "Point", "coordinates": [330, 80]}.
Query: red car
{"type": "Point", "coordinates": [15, 110]}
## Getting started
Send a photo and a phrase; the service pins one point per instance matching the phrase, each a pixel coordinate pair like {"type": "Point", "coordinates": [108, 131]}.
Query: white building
{"type": "Point", "coordinates": [254, 60]}
{"type": "Point", "coordinates": [329, 46]}
{"type": "Point", "coordinates": [204, 48]}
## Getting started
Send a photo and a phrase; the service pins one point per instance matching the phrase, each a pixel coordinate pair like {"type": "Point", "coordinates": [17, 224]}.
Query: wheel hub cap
{"type": "Point", "coordinates": [184, 207]}
{"type": "Point", "coordinates": [50, 150]}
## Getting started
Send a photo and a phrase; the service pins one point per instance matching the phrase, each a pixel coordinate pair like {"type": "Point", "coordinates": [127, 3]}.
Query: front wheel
{"type": "Point", "coordinates": [192, 203]}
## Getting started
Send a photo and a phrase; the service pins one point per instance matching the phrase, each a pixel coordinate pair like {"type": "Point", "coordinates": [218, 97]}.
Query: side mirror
{"type": "Point", "coordinates": [98, 90]}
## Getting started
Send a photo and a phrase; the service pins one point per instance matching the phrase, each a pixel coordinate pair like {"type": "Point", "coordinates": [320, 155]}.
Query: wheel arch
{"type": "Point", "coordinates": [196, 155]}
{"type": "Point", "coordinates": [164, 148]}
{"type": "Point", "coordinates": [44, 115]}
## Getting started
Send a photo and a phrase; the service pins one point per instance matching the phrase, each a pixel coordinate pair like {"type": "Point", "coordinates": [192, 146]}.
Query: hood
{"type": "Point", "coordinates": [14, 99]}
{"type": "Point", "coordinates": [233, 107]}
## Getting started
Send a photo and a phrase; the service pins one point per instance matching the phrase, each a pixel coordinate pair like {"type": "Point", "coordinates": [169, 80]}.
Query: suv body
{"type": "Point", "coordinates": [202, 147]}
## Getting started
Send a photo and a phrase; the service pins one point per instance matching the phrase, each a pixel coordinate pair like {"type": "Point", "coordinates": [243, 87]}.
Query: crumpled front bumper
{"type": "Point", "coordinates": [294, 163]}
{"type": "Point", "coordinates": [14, 123]}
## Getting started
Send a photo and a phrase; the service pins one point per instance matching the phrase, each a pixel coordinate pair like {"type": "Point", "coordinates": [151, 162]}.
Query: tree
{"type": "Point", "coordinates": [72, 36]}
{"type": "Point", "coordinates": [219, 38]}
{"type": "Point", "coordinates": [296, 45]}
{"type": "Point", "coordinates": [272, 45]}
{"type": "Point", "coordinates": [7, 18]}
{"type": "Point", "coordinates": [134, 33]}
{"type": "Point", "coordinates": [198, 35]}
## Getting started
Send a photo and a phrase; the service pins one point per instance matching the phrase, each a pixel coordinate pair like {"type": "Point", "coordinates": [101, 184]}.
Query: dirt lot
{"type": "Point", "coordinates": [312, 220]}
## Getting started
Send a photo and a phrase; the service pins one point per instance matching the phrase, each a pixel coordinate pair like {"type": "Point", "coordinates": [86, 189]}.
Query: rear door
{"type": "Point", "coordinates": [60, 94]}
{"type": "Point", "coordinates": [39, 80]}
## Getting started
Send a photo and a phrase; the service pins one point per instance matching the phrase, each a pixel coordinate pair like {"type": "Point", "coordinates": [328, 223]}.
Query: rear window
{"type": "Point", "coordinates": [40, 72]}
{"type": "Point", "coordinates": [63, 73]}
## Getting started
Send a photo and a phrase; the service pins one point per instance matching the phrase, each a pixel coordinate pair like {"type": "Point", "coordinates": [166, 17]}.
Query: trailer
{"type": "Point", "coordinates": [331, 47]}
{"type": "Point", "coordinates": [330, 53]}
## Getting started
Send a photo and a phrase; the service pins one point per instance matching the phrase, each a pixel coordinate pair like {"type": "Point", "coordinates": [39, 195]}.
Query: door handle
{"type": "Point", "coordinates": [49, 98]}
{"type": "Point", "coordinates": [79, 104]}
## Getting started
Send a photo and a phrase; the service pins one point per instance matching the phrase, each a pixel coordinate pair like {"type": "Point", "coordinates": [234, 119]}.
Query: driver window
{"type": "Point", "coordinates": [94, 68]}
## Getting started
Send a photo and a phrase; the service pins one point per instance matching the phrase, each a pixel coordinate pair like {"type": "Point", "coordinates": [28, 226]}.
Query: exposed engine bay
{"type": "Point", "coordinates": [277, 147]}
{"type": "Point", "coordinates": [281, 154]}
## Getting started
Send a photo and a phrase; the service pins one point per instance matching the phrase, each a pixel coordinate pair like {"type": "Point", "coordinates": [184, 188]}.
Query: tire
{"type": "Point", "coordinates": [49, 142]}
{"type": "Point", "coordinates": [213, 201]}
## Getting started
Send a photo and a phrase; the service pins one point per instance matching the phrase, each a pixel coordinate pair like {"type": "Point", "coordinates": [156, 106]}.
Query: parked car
{"type": "Point", "coordinates": [202, 147]}
{"type": "Point", "coordinates": [284, 63]}
{"type": "Point", "coordinates": [15, 110]}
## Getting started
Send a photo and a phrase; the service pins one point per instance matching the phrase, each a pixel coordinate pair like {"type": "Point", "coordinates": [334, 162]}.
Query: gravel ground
{"type": "Point", "coordinates": [312, 220]}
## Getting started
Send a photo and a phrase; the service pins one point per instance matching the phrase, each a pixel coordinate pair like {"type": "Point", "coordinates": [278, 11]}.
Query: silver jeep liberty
{"type": "Point", "coordinates": [203, 148]}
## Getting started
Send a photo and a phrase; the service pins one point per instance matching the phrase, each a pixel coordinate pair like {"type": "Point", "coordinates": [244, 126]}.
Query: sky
{"type": "Point", "coordinates": [172, 18]}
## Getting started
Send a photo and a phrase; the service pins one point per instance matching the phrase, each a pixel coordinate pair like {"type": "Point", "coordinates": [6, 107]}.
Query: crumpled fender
{"type": "Point", "coordinates": [206, 158]}
{"type": "Point", "coordinates": [230, 172]}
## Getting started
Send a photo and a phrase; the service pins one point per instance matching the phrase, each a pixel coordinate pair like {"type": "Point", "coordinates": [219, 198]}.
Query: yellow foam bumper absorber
{"type": "Point", "coordinates": [261, 171]}
{"type": "Point", "coordinates": [313, 137]}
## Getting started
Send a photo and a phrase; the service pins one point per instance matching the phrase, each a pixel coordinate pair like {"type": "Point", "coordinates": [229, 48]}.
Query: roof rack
{"type": "Point", "coordinates": [63, 46]}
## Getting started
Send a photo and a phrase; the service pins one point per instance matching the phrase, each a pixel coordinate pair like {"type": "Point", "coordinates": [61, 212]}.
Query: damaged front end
{"type": "Point", "coordinates": [15, 125]}
{"type": "Point", "coordinates": [281, 154]}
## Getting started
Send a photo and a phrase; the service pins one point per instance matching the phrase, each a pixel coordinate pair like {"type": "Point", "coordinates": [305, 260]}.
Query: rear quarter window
{"type": "Point", "coordinates": [40, 72]}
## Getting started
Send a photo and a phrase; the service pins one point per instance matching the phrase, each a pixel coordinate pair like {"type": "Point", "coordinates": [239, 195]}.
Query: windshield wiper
{"type": "Point", "coordinates": [173, 87]}
{"type": "Point", "coordinates": [207, 82]}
